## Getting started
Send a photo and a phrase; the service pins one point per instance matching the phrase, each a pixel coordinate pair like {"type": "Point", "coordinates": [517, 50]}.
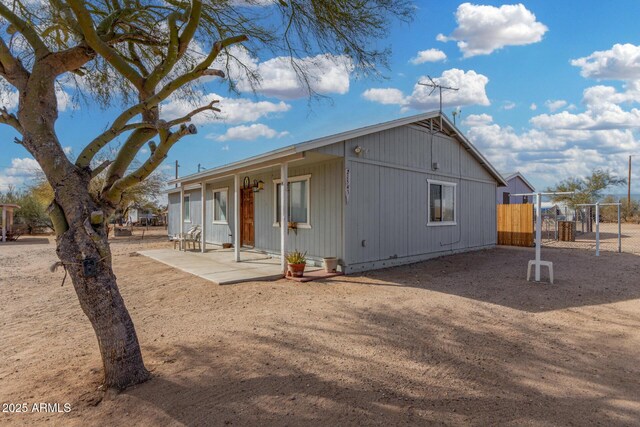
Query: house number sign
{"type": "Point", "coordinates": [347, 183]}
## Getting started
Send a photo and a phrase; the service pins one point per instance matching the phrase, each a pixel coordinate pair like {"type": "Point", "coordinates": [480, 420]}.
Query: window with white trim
{"type": "Point", "coordinates": [220, 205]}
{"type": "Point", "coordinates": [186, 212]}
{"type": "Point", "coordinates": [298, 201]}
{"type": "Point", "coordinates": [441, 202]}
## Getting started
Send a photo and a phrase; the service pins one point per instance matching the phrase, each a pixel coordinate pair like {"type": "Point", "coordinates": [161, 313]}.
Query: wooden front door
{"type": "Point", "coordinates": [247, 228]}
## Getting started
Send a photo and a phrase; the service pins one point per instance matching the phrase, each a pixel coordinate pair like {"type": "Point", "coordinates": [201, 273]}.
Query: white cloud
{"type": "Point", "coordinates": [20, 172]}
{"type": "Point", "coordinates": [621, 62]}
{"type": "Point", "coordinates": [429, 55]}
{"type": "Point", "coordinates": [547, 157]}
{"type": "Point", "coordinates": [554, 105]}
{"type": "Point", "coordinates": [603, 111]}
{"type": "Point", "coordinates": [64, 100]}
{"type": "Point", "coordinates": [509, 105]}
{"type": "Point", "coordinates": [249, 133]}
{"type": "Point", "coordinates": [253, 3]}
{"type": "Point", "coordinates": [533, 106]}
{"type": "Point", "coordinates": [9, 99]}
{"type": "Point", "coordinates": [471, 91]}
{"type": "Point", "coordinates": [473, 120]}
{"type": "Point", "coordinates": [326, 74]}
{"type": "Point", "coordinates": [234, 110]}
{"type": "Point", "coordinates": [483, 29]}
{"type": "Point", "coordinates": [385, 96]}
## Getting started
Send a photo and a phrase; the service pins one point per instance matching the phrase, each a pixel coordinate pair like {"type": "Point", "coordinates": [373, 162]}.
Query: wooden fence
{"type": "Point", "coordinates": [515, 225]}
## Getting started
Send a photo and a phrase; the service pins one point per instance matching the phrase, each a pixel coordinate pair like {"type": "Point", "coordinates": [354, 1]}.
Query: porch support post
{"type": "Point", "coordinates": [181, 225]}
{"type": "Point", "coordinates": [236, 217]}
{"type": "Point", "coordinates": [4, 223]}
{"type": "Point", "coordinates": [538, 234]}
{"type": "Point", "coordinates": [204, 216]}
{"type": "Point", "coordinates": [284, 214]}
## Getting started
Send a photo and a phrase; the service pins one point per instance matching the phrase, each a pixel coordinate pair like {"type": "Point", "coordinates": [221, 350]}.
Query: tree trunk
{"type": "Point", "coordinates": [102, 303]}
{"type": "Point", "coordinates": [81, 235]}
{"type": "Point", "coordinates": [83, 243]}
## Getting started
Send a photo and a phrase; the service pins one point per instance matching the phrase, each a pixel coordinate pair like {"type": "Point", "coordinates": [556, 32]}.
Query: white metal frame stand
{"type": "Point", "coordinates": [597, 205]}
{"type": "Point", "coordinates": [538, 261]}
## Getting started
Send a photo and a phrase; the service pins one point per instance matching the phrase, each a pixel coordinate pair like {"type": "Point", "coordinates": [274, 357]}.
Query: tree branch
{"type": "Point", "coordinates": [12, 68]}
{"type": "Point", "coordinates": [190, 28]}
{"type": "Point", "coordinates": [187, 117]}
{"type": "Point", "coordinates": [198, 71]}
{"type": "Point", "coordinates": [11, 120]}
{"type": "Point", "coordinates": [101, 47]}
{"type": "Point", "coordinates": [102, 166]}
{"type": "Point", "coordinates": [147, 168]}
{"type": "Point", "coordinates": [29, 33]}
{"type": "Point", "coordinates": [126, 154]}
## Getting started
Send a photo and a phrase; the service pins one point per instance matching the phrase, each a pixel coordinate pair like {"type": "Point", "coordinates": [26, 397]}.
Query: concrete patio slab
{"type": "Point", "coordinates": [218, 265]}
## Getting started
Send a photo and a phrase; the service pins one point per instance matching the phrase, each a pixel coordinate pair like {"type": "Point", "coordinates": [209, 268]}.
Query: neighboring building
{"type": "Point", "coordinates": [6, 227]}
{"type": "Point", "coordinates": [143, 216]}
{"type": "Point", "coordinates": [388, 194]}
{"type": "Point", "coordinates": [516, 184]}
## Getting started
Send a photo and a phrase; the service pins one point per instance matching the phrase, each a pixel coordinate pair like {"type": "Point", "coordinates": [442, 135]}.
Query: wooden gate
{"type": "Point", "coordinates": [515, 225]}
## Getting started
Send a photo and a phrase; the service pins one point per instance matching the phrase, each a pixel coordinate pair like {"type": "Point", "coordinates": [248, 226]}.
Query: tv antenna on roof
{"type": "Point", "coordinates": [435, 86]}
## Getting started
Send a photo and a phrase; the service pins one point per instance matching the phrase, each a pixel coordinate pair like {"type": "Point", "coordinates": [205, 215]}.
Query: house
{"type": "Point", "coordinates": [141, 216]}
{"type": "Point", "coordinates": [516, 184]}
{"type": "Point", "coordinates": [388, 194]}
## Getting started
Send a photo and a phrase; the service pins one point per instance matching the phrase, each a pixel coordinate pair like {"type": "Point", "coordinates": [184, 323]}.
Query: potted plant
{"type": "Point", "coordinates": [296, 261]}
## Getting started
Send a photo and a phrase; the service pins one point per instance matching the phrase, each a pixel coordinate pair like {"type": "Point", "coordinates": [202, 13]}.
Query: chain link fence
{"type": "Point", "coordinates": [582, 221]}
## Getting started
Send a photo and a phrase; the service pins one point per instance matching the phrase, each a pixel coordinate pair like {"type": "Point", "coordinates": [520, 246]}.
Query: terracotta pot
{"type": "Point", "coordinates": [227, 245]}
{"type": "Point", "coordinates": [296, 270]}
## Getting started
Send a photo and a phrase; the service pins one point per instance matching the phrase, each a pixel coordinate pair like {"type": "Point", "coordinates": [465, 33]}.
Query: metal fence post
{"type": "Point", "coordinates": [619, 232]}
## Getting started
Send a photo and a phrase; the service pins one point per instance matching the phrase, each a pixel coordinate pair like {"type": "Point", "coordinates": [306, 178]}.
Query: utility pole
{"type": "Point", "coordinates": [435, 86]}
{"type": "Point", "coordinates": [177, 166]}
{"type": "Point", "coordinates": [629, 185]}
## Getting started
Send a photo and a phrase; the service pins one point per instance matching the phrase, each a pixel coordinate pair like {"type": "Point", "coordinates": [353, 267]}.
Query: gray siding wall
{"type": "Point", "coordinates": [173, 226]}
{"type": "Point", "coordinates": [196, 210]}
{"type": "Point", "coordinates": [219, 233]}
{"type": "Point", "coordinates": [386, 216]}
{"type": "Point", "coordinates": [516, 186]}
{"type": "Point", "coordinates": [324, 238]}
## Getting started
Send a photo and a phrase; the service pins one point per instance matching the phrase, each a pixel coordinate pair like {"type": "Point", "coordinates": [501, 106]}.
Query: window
{"type": "Point", "coordinates": [298, 201]}
{"type": "Point", "coordinates": [442, 203]}
{"type": "Point", "coordinates": [187, 208]}
{"type": "Point", "coordinates": [525, 199]}
{"type": "Point", "coordinates": [506, 198]}
{"type": "Point", "coordinates": [220, 205]}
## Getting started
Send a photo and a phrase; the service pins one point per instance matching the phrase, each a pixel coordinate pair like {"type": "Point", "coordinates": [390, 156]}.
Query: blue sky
{"type": "Point", "coordinates": [547, 88]}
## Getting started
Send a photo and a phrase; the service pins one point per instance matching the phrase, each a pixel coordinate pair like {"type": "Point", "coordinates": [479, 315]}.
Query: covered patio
{"type": "Point", "coordinates": [219, 266]}
{"type": "Point", "coordinates": [226, 207]}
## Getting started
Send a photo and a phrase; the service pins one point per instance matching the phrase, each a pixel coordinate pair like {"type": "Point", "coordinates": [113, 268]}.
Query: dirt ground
{"type": "Point", "coordinates": [461, 340]}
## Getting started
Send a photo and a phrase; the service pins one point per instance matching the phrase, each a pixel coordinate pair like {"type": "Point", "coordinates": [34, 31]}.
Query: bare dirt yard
{"type": "Point", "coordinates": [460, 340]}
